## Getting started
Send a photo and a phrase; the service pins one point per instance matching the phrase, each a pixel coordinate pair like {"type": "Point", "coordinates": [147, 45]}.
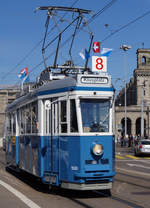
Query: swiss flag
{"type": "Point", "coordinates": [96, 47]}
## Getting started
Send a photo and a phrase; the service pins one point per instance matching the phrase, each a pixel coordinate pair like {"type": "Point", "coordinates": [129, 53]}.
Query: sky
{"type": "Point", "coordinates": [22, 31]}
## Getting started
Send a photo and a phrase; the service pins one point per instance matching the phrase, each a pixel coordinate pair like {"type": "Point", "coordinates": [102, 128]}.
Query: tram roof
{"type": "Point", "coordinates": [70, 83]}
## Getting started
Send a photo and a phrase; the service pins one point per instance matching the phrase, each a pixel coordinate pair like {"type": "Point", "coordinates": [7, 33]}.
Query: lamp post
{"type": "Point", "coordinates": [142, 108]}
{"type": "Point", "coordinates": [125, 48]}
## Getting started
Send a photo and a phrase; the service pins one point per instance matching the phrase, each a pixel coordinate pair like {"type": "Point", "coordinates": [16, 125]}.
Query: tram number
{"type": "Point", "coordinates": [99, 64]}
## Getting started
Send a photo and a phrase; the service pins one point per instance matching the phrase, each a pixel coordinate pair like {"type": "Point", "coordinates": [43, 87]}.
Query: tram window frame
{"type": "Point", "coordinates": [63, 104]}
{"type": "Point", "coordinates": [34, 117]}
{"type": "Point", "coordinates": [9, 124]}
{"type": "Point", "coordinates": [100, 127]}
{"type": "Point", "coordinates": [55, 118]}
{"type": "Point", "coordinates": [73, 117]}
{"type": "Point", "coordinates": [14, 123]}
{"type": "Point", "coordinates": [47, 118]}
{"type": "Point", "coordinates": [28, 118]}
{"type": "Point", "coordinates": [51, 123]}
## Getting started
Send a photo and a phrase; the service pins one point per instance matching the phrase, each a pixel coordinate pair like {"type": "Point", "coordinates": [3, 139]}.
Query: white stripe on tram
{"type": "Point", "coordinates": [18, 194]}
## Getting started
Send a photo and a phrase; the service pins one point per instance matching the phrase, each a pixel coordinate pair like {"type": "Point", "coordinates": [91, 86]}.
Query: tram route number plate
{"type": "Point", "coordinates": [94, 80]}
{"type": "Point", "coordinates": [99, 64]}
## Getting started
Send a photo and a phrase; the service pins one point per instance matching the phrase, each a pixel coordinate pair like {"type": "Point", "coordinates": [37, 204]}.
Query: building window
{"type": "Point", "coordinates": [143, 60]}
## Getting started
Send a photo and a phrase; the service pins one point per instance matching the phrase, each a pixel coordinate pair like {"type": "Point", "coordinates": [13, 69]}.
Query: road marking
{"type": "Point", "coordinates": [18, 194]}
{"type": "Point", "coordinates": [136, 165]}
{"type": "Point", "coordinates": [119, 157]}
{"type": "Point", "coordinates": [133, 157]}
{"type": "Point", "coordinates": [134, 172]}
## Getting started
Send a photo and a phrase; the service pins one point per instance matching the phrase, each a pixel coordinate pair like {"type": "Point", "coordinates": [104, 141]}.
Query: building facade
{"type": "Point", "coordinates": [138, 99]}
{"type": "Point", "coordinates": [7, 95]}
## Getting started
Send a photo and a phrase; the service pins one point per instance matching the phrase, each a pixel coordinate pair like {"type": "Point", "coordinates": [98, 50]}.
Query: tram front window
{"type": "Point", "coordinates": [95, 115]}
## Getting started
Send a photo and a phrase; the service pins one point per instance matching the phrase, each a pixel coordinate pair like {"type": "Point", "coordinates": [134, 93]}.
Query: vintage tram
{"type": "Point", "coordinates": [62, 132]}
{"type": "Point", "coordinates": [61, 128]}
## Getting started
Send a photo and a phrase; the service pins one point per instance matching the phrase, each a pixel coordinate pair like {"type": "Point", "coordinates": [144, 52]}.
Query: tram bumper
{"type": "Point", "coordinates": [91, 181]}
{"type": "Point", "coordinates": [87, 186]}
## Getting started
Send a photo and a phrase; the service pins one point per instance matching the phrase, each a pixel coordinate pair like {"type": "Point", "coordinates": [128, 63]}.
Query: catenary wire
{"type": "Point", "coordinates": [126, 25]}
{"type": "Point", "coordinates": [92, 19]}
{"type": "Point", "coordinates": [88, 22]}
{"type": "Point", "coordinates": [33, 49]}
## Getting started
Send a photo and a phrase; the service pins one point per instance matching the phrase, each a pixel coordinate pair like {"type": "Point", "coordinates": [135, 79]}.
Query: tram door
{"type": "Point", "coordinates": [54, 138]}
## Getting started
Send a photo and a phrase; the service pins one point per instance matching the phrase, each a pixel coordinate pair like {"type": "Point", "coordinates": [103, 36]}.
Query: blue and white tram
{"type": "Point", "coordinates": [62, 132]}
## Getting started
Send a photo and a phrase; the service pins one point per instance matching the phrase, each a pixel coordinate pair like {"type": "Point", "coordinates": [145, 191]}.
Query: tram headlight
{"type": "Point", "coordinates": [98, 149]}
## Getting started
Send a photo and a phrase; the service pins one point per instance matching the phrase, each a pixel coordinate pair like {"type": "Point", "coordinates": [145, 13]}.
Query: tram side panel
{"type": "Point", "coordinates": [29, 158]}
{"type": "Point", "coordinates": [69, 157]}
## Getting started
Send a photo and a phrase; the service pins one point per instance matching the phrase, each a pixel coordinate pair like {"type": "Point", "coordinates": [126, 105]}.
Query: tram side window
{"type": "Point", "coordinates": [23, 121]}
{"type": "Point", "coordinates": [73, 117]}
{"type": "Point", "coordinates": [9, 129]}
{"type": "Point", "coordinates": [14, 124]}
{"type": "Point", "coordinates": [63, 116]}
{"type": "Point", "coordinates": [34, 113]}
{"type": "Point", "coordinates": [28, 119]}
{"type": "Point", "coordinates": [20, 122]}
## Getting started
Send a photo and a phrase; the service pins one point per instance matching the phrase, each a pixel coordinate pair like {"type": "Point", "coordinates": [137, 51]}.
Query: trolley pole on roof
{"type": "Point", "coordinates": [78, 20]}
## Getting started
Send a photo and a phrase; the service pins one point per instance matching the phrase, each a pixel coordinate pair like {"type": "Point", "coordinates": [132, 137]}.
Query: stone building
{"type": "Point", "coordinates": [138, 99]}
{"type": "Point", "coordinates": [7, 95]}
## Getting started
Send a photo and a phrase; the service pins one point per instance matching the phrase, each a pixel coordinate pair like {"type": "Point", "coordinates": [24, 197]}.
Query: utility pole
{"type": "Point", "coordinates": [147, 121]}
{"type": "Point", "coordinates": [142, 109]}
{"type": "Point", "coordinates": [142, 112]}
{"type": "Point", "coordinates": [125, 48]}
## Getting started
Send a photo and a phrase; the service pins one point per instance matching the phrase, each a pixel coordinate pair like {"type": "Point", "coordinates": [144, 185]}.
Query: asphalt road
{"type": "Point", "coordinates": [131, 188]}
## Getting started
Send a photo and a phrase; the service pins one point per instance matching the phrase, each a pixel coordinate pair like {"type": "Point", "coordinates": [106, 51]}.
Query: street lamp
{"type": "Point", "coordinates": [125, 48]}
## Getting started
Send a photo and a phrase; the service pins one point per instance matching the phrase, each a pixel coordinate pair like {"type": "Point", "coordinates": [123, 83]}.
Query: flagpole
{"type": "Point", "coordinates": [86, 63]}
{"type": "Point", "coordinates": [22, 86]}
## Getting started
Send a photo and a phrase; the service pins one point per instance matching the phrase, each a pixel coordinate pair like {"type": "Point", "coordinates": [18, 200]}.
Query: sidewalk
{"type": "Point", "coordinates": [124, 149]}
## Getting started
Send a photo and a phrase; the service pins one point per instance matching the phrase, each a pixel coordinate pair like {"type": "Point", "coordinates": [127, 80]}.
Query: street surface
{"type": "Point", "coordinates": [131, 188]}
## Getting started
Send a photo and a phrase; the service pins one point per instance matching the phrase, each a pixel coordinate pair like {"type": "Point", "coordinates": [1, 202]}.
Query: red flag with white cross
{"type": "Point", "coordinates": [96, 47]}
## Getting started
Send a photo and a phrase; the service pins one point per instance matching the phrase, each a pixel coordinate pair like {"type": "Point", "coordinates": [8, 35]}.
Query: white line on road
{"type": "Point", "coordinates": [18, 194]}
{"type": "Point", "coordinates": [137, 165]}
{"type": "Point", "coordinates": [134, 172]}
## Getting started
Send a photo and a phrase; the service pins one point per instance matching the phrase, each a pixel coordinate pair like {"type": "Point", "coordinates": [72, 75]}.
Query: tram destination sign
{"type": "Point", "coordinates": [94, 80]}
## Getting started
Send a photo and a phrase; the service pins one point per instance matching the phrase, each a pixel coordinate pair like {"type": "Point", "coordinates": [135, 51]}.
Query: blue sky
{"type": "Point", "coordinates": [22, 29]}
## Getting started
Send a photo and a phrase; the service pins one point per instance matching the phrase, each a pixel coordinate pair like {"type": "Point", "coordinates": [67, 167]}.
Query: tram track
{"type": "Point", "coordinates": [126, 201]}
{"type": "Point", "coordinates": [89, 198]}
{"type": "Point", "coordinates": [133, 183]}
{"type": "Point", "coordinates": [2, 162]}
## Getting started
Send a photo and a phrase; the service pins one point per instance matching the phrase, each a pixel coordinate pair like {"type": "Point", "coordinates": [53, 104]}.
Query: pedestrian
{"type": "Point", "coordinates": [126, 140]}
{"type": "Point", "coordinates": [130, 140]}
{"type": "Point", "coordinates": [122, 141]}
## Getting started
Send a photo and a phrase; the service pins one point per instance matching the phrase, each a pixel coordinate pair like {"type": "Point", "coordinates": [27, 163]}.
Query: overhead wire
{"type": "Point", "coordinates": [126, 25]}
{"type": "Point", "coordinates": [88, 22]}
{"type": "Point", "coordinates": [33, 49]}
